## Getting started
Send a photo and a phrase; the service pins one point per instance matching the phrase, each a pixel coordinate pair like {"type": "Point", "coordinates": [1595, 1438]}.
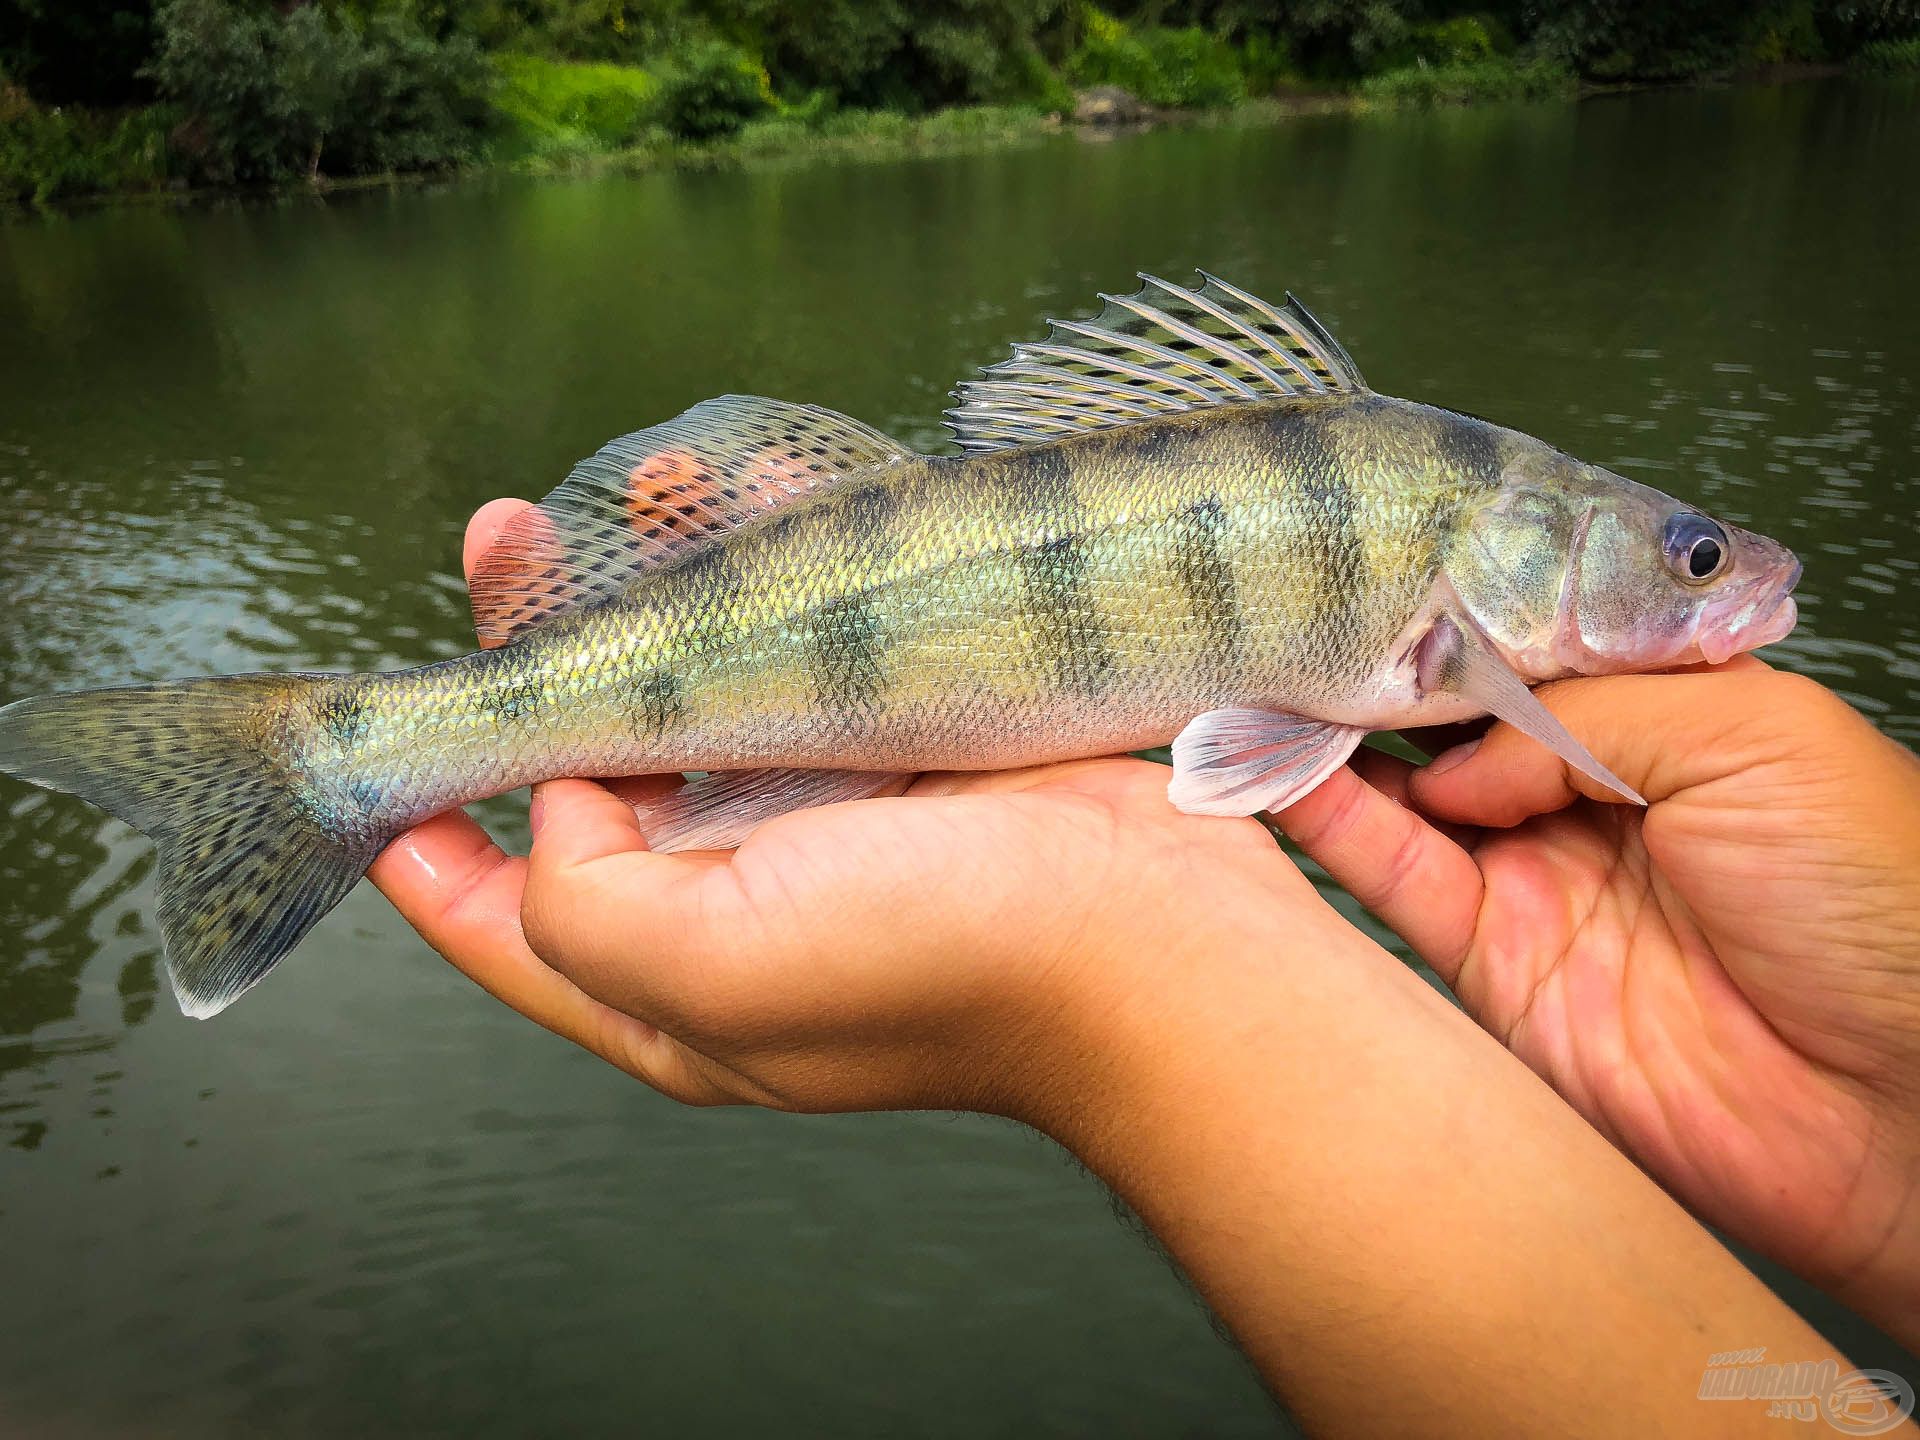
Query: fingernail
{"type": "Point", "coordinates": [536, 811]}
{"type": "Point", "coordinates": [1451, 759]}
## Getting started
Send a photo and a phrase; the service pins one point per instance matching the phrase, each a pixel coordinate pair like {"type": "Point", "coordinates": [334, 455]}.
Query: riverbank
{"type": "Point", "coordinates": [120, 161]}
{"type": "Point", "coordinates": [86, 159]}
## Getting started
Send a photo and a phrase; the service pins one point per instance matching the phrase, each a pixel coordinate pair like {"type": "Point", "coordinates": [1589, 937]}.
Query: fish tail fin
{"type": "Point", "coordinates": [247, 864]}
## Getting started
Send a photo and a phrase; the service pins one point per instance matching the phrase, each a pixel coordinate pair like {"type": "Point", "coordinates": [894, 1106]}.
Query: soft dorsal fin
{"type": "Point", "coordinates": [1162, 349]}
{"type": "Point", "coordinates": [653, 497]}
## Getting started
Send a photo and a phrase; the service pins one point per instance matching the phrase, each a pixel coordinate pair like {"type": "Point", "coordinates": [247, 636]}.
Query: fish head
{"type": "Point", "coordinates": [1572, 570]}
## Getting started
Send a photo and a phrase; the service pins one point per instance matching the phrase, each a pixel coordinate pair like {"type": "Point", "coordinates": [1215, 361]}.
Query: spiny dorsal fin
{"type": "Point", "coordinates": [653, 497]}
{"type": "Point", "coordinates": [1162, 349]}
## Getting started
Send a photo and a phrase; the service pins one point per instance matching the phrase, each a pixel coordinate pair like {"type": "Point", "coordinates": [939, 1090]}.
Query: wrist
{"type": "Point", "coordinates": [1105, 1030]}
{"type": "Point", "coordinates": [1313, 1132]}
{"type": "Point", "coordinates": [1887, 1289]}
{"type": "Point", "coordinates": [1181, 1008]}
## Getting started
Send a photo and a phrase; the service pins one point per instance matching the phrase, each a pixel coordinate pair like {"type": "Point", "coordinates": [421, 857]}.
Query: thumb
{"type": "Point", "coordinates": [1662, 734]}
{"type": "Point", "coordinates": [576, 822]}
{"type": "Point", "coordinates": [603, 910]}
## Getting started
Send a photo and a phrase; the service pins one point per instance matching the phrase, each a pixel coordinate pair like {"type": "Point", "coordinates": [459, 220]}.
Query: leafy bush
{"type": "Point", "coordinates": [1041, 87]}
{"type": "Point", "coordinates": [217, 63]}
{"type": "Point", "coordinates": [1111, 54]}
{"type": "Point", "coordinates": [1462, 40]}
{"type": "Point", "coordinates": [1785, 31]}
{"type": "Point", "coordinates": [50, 154]}
{"type": "Point", "coordinates": [1609, 41]}
{"type": "Point", "coordinates": [1336, 38]}
{"type": "Point", "coordinates": [711, 89]}
{"type": "Point", "coordinates": [1197, 71]}
{"type": "Point", "coordinates": [980, 54]}
{"type": "Point", "coordinates": [268, 98]}
{"type": "Point", "coordinates": [415, 103]}
{"type": "Point", "coordinates": [1852, 25]}
{"type": "Point", "coordinates": [908, 55]}
{"type": "Point", "coordinates": [1889, 57]}
{"type": "Point", "coordinates": [1177, 69]}
{"type": "Point", "coordinates": [551, 105]}
{"type": "Point", "coordinates": [1266, 61]}
{"type": "Point", "coordinates": [1460, 84]}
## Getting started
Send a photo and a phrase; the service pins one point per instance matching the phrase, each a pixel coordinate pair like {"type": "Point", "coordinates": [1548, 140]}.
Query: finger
{"type": "Point", "coordinates": [463, 894]}
{"type": "Point", "coordinates": [1420, 883]}
{"type": "Point", "coordinates": [485, 527]}
{"type": "Point", "coordinates": [1392, 776]}
{"type": "Point", "coordinates": [1661, 733]}
{"type": "Point", "coordinates": [628, 927]}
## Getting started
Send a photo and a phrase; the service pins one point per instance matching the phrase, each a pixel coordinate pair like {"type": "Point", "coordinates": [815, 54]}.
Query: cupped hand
{"type": "Point", "coordinates": [1726, 983]}
{"type": "Point", "coordinates": [930, 950]}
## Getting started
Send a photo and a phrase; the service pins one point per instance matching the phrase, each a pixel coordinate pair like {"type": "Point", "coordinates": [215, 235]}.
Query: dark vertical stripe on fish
{"type": "Point", "coordinates": [843, 650]}
{"type": "Point", "coordinates": [1469, 448]}
{"type": "Point", "coordinates": [1323, 508]}
{"type": "Point", "coordinates": [711, 594]}
{"type": "Point", "coordinates": [866, 516]}
{"type": "Point", "coordinates": [1065, 624]}
{"type": "Point", "coordinates": [1038, 485]}
{"type": "Point", "coordinates": [1205, 574]}
{"type": "Point", "coordinates": [513, 699]}
{"type": "Point", "coordinates": [342, 713]}
{"type": "Point", "coordinates": [656, 705]}
{"type": "Point", "coordinates": [1339, 554]}
{"type": "Point", "coordinates": [869, 508]}
{"type": "Point", "coordinates": [1042, 506]}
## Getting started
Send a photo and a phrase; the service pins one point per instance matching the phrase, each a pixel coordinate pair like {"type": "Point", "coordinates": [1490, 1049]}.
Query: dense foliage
{"type": "Point", "coordinates": [48, 153]}
{"type": "Point", "coordinates": [266, 97]}
{"type": "Point", "coordinates": [712, 89]}
{"type": "Point", "coordinates": [264, 91]}
{"type": "Point", "coordinates": [553, 107]}
{"type": "Point", "coordinates": [1188, 67]}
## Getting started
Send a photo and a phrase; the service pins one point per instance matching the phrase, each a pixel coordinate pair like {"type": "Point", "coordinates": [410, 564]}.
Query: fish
{"type": "Point", "coordinates": [1187, 518]}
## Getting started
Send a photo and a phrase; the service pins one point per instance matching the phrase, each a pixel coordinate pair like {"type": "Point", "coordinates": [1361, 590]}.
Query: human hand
{"type": "Point", "coordinates": [932, 951]}
{"type": "Point", "coordinates": [1166, 995]}
{"type": "Point", "coordinates": [1726, 983]}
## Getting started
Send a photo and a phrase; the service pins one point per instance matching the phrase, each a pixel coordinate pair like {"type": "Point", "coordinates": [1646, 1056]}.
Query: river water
{"type": "Point", "coordinates": [368, 1200]}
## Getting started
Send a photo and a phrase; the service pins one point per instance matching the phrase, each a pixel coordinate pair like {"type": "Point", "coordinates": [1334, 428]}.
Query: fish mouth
{"type": "Point", "coordinates": [1760, 614]}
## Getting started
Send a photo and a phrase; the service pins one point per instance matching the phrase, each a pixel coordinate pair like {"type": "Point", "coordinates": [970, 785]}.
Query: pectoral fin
{"type": "Point", "coordinates": [1239, 762]}
{"type": "Point", "coordinates": [718, 811]}
{"type": "Point", "coordinates": [1456, 658]}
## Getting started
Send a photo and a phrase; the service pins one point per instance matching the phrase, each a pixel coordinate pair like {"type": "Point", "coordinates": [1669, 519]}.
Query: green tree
{"type": "Point", "coordinates": [268, 97]}
{"type": "Point", "coordinates": [712, 90]}
{"type": "Point", "coordinates": [319, 62]}
{"type": "Point", "coordinates": [888, 54]}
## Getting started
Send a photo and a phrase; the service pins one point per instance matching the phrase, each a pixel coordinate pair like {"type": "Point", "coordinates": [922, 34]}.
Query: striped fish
{"type": "Point", "coordinates": [1185, 519]}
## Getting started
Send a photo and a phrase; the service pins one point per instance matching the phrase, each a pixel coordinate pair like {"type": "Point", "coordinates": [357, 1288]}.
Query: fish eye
{"type": "Point", "coordinates": [1697, 548]}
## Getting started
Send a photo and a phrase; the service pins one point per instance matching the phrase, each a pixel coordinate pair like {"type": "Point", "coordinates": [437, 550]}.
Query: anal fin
{"type": "Point", "coordinates": [718, 811]}
{"type": "Point", "coordinates": [1240, 762]}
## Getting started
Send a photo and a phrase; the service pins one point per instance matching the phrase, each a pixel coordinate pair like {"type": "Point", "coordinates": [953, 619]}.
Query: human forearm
{"type": "Point", "coordinates": [1381, 1203]}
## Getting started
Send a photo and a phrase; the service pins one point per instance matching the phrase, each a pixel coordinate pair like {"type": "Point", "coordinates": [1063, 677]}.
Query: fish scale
{"type": "Point", "coordinates": [1188, 519]}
